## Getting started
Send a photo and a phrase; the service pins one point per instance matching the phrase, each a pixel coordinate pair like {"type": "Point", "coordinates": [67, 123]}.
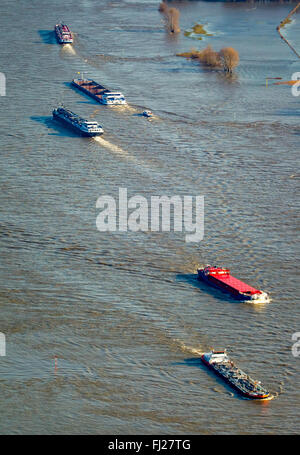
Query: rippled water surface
{"type": "Point", "coordinates": [123, 312]}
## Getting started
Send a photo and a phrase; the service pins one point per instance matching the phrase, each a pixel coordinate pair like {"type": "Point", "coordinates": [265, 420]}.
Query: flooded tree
{"type": "Point", "coordinates": [209, 57]}
{"type": "Point", "coordinates": [171, 17]}
{"type": "Point", "coordinates": [173, 20]}
{"type": "Point", "coordinates": [163, 7]}
{"type": "Point", "coordinates": [229, 58]}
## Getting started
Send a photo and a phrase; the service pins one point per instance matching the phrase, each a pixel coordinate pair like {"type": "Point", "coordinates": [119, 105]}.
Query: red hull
{"type": "Point", "coordinates": [233, 285]}
{"type": "Point", "coordinates": [221, 279]}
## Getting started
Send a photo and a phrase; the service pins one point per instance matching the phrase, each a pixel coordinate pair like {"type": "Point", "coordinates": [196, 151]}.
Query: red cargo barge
{"type": "Point", "coordinates": [220, 278]}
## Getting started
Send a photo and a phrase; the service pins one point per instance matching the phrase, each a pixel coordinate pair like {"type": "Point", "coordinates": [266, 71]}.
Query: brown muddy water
{"type": "Point", "coordinates": [123, 312]}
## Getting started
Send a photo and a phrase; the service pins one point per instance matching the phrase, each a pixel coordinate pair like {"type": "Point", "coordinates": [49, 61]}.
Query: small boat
{"type": "Point", "coordinates": [147, 113]}
{"type": "Point", "coordinates": [83, 127]}
{"type": "Point", "coordinates": [220, 278]}
{"type": "Point", "coordinates": [63, 34]}
{"type": "Point", "coordinates": [219, 362]}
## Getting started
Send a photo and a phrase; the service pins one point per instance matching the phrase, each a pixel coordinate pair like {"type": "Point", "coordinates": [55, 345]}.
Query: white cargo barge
{"type": "Point", "coordinates": [83, 127]}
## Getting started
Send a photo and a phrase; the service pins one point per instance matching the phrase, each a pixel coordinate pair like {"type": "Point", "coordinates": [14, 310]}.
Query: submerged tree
{"type": "Point", "coordinates": [171, 17]}
{"type": "Point", "coordinates": [173, 20]}
{"type": "Point", "coordinates": [209, 57]}
{"type": "Point", "coordinates": [229, 58]}
{"type": "Point", "coordinates": [163, 7]}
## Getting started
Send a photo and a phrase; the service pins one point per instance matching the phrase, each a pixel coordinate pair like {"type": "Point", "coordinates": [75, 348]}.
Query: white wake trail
{"type": "Point", "coordinates": [126, 108]}
{"type": "Point", "coordinates": [114, 148]}
{"type": "Point", "coordinates": [186, 348]}
{"type": "Point", "coordinates": [68, 49]}
{"type": "Point", "coordinates": [142, 167]}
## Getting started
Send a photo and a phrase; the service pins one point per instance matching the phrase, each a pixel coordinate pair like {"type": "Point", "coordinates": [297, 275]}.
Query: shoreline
{"type": "Point", "coordinates": [283, 23]}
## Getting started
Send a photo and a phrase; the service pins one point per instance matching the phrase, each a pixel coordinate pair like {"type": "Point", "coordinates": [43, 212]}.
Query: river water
{"type": "Point", "coordinates": [123, 311]}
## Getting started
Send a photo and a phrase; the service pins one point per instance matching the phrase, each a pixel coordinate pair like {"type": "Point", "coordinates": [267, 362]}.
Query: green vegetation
{"type": "Point", "coordinates": [287, 20]}
{"type": "Point", "coordinates": [198, 29]}
{"type": "Point", "coordinates": [193, 53]}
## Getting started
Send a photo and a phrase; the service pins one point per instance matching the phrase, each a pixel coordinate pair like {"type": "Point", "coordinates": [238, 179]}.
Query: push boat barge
{"type": "Point", "coordinates": [147, 114]}
{"type": "Point", "coordinates": [63, 34]}
{"type": "Point", "coordinates": [99, 92]}
{"type": "Point", "coordinates": [83, 127]}
{"type": "Point", "coordinates": [220, 278]}
{"type": "Point", "coordinates": [219, 362]}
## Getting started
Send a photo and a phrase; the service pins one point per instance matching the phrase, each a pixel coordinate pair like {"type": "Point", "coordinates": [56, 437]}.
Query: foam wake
{"type": "Point", "coordinates": [68, 49]}
{"type": "Point", "coordinates": [141, 166]}
{"type": "Point", "coordinates": [114, 148]}
{"type": "Point", "coordinates": [185, 348]}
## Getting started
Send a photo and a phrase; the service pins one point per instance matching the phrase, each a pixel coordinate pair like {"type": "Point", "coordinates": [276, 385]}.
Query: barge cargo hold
{"type": "Point", "coordinates": [220, 278]}
{"type": "Point", "coordinates": [63, 34]}
{"type": "Point", "coordinates": [219, 362]}
{"type": "Point", "coordinates": [83, 127]}
{"type": "Point", "coordinates": [99, 92]}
